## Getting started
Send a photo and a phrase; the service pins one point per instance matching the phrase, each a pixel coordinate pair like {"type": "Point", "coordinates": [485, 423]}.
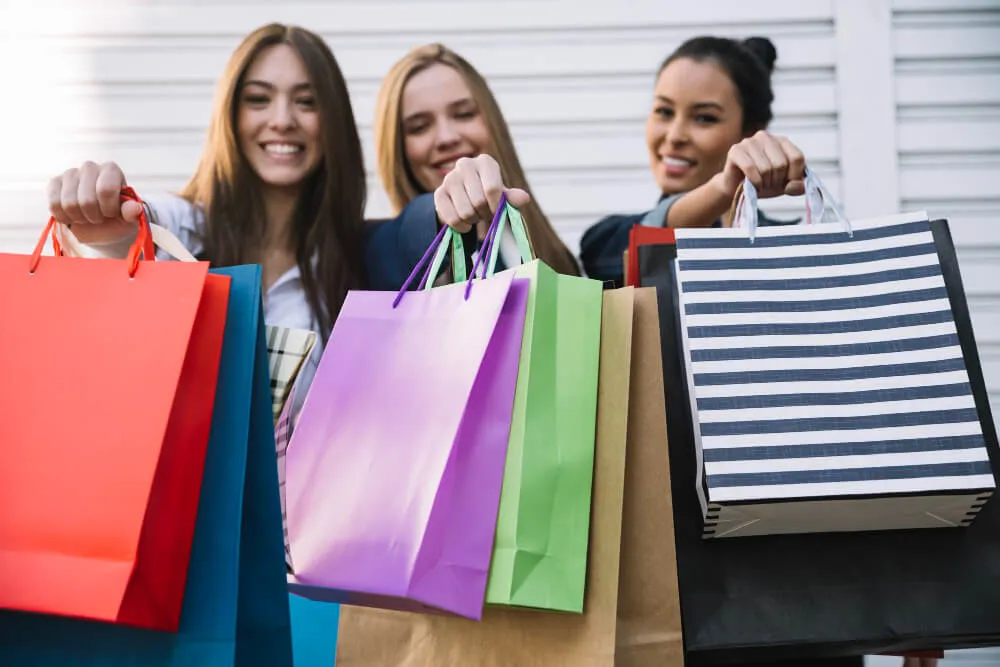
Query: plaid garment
{"type": "Point", "coordinates": [287, 350]}
{"type": "Point", "coordinates": [282, 434]}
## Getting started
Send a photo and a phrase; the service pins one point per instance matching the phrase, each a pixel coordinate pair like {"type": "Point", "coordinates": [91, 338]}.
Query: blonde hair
{"type": "Point", "coordinates": [393, 166]}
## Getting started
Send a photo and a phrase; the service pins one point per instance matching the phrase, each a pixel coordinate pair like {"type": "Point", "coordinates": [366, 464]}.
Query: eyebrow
{"type": "Point", "coordinates": [699, 105]}
{"type": "Point", "coordinates": [270, 86]}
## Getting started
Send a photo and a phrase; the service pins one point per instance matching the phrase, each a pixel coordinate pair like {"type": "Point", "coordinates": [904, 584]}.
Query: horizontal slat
{"type": "Point", "coordinates": [565, 101]}
{"type": "Point", "coordinates": [950, 180]}
{"type": "Point", "coordinates": [986, 322]}
{"type": "Point", "coordinates": [959, 37]}
{"type": "Point", "coordinates": [948, 88]}
{"type": "Point", "coordinates": [535, 56]}
{"type": "Point", "coordinates": [979, 272]}
{"type": "Point", "coordinates": [594, 145]}
{"type": "Point", "coordinates": [973, 224]}
{"type": "Point", "coordinates": [942, 134]}
{"type": "Point", "coordinates": [75, 18]}
{"type": "Point", "coordinates": [903, 7]}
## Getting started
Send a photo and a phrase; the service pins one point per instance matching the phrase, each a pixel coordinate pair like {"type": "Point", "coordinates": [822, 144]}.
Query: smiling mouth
{"type": "Point", "coordinates": [282, 149]}
{"type": "Point", "coordinates": [676, 162]}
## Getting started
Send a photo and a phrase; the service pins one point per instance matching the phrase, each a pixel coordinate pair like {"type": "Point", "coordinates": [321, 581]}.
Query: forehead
{"type": "Point", "coordinates": [437, 85]}
{"type": "Point", "coordinates": [277, 64]}
{"type": "Point", "coordinates": [691, 81]}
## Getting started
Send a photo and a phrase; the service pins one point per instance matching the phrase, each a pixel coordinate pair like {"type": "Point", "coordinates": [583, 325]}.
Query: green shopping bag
{"type": "Point", "coordinates": [540, 552]}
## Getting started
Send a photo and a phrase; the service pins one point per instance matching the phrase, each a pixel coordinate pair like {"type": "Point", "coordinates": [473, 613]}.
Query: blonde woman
{"type": "Point", "coordinates": [434, 115]}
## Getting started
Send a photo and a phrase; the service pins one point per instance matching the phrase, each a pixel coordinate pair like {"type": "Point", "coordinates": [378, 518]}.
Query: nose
{"type": "Point", "coordinates": [283, 114]}
{"type": "Point", "coordinates": [677, 131]}
{"type": "Point", "coordinates": [447, 134]}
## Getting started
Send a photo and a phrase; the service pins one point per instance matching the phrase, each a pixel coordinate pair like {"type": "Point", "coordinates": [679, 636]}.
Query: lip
{"type": "Point", "coordinates": [677, 170]}
{"type": "Point", "coordinates": [291, 156]}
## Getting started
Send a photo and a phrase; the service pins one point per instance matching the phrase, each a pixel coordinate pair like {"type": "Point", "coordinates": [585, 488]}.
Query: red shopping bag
{"type": "Point", "coordinates": [638, 236]}
{"type": "Point", "coordinates": [108, 369]}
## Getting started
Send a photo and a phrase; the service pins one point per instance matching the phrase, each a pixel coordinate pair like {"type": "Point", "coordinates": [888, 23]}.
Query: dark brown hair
{"type": "Point", "coordinates": [748, 63]}
{"type": "Point", "coordinates": [328, 223]}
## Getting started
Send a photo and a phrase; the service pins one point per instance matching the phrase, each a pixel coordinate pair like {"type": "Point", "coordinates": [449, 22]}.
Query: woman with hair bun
{"type": "Point", "coordinates": [706, 131]}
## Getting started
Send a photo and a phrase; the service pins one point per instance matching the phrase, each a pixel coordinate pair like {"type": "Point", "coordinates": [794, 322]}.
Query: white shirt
{"type": "Point", "coordinates": [285, 303]}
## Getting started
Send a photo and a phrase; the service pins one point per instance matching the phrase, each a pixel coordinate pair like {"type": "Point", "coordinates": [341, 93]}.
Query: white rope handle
{"type": "Point", "coordinates": [818, 201]}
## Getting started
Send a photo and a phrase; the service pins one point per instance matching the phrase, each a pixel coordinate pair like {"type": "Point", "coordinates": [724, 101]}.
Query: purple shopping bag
{"type": "Point", "coordinates": [395, 466]}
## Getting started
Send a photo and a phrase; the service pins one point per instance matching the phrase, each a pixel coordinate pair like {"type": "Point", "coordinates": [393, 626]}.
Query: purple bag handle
{"type": "Point", "coordinates": [434, 246]}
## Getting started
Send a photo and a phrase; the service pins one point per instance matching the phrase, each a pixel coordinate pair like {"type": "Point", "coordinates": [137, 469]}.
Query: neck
{"type": "Point", "coordinates": [279, 207]}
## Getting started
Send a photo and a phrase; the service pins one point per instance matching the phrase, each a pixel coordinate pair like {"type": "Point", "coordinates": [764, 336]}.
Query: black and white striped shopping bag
{"type": "Point", "coordinates": [827, 384]}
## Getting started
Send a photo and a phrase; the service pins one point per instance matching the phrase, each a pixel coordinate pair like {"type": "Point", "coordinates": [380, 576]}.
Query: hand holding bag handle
{"type": "Point", "coordinates": [142, 248]}
{"type": "Point", "coordinates": [818, 199]}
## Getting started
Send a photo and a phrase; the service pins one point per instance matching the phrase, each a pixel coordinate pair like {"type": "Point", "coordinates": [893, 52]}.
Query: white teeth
{"type": "Point", "coordinates": [447, 166]}
{"type": "Point", "coordinates": [676, 162]}
{"type": "Point", "coordinates": [282, 149]}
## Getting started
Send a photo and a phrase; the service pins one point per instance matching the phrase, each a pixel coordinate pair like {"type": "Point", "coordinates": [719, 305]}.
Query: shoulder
{"type": "Point", "coordinates": [394, 246]}
{"type": "Point", "coordinates": [180, 217]}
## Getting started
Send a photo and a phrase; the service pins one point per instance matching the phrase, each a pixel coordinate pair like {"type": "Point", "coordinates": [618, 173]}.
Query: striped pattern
{"type": "Point", "coordinates": [825, 365]}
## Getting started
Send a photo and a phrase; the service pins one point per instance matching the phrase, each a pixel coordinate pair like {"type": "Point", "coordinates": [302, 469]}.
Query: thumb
{"type": "Point", "coordinates": [795, 188]}
{"type": "Point", "coordinates": [517, 197]}
{"type": "Point", "coordinates": [131, 211]}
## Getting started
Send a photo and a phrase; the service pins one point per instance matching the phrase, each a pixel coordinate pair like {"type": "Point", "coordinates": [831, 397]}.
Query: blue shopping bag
{"type": "Point", "coordinates": [236, 609]}
{"type": "Point", "coordinates": [314, 632]}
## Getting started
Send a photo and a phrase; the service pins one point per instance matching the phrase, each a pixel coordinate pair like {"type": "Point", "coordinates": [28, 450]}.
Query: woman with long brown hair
{"type": "Point", "coordinates": [281, 183]}
{"type": "Point", "coordinates": [434, 114]}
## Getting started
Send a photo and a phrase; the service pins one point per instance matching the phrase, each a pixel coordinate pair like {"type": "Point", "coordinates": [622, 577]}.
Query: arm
{"type": "Point", "coordinates": [602, 246]}
{"type": "Point", "coordinates": [393, 247]}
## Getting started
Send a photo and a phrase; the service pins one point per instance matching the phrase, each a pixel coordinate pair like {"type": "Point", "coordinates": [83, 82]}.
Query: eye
{"type": "Point", "coordinates": [707, 119]}
{"type": "Point", "coordinates": [415, 129]}
{"type": "Point", "coordinates": [466, 114]}
{"type": "Point", "coordinates": [256, 99]}
{"type": "Point", "coordinates": [664, 112]}
{"type": "Point", "coordinates": [306, 102]}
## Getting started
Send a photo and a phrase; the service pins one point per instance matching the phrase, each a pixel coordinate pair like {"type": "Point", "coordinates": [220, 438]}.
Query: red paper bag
{"type": "Point", "coordinates": [108, 369]}
{"type": "Point", "coordinates": [640, 235]}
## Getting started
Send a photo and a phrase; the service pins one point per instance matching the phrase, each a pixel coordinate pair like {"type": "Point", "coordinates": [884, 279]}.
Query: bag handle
{"type": "Point", "coordinates": [818, 200]}
{"type": "Point", "coordinates": [141, 249]}
{"type": "Point", "coordinates": [491, 244]}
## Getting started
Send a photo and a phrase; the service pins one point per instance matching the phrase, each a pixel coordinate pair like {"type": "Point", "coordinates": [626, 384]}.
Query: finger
{"type": "Point", "coordinates": [775, 154]}
{"type": "Point", "coordinates": [86, 193]}
{"type": "Point", "coordinates": [795, 188]}
{"type": "Point", "coordinates": [68, 194]}
{"type": "Point", "coordinates": [110, 182]}
{"type": "Point", "coordinates": [461, 203]}
{"type": "Point", "coordinates": [446, 212]}
{"type": "Point", "coordinates": [739, 158]}
{"type": "Point", "coordinates": [492, 181]}
{"type": "Point", "coordinates": [130, 211]}
{"type": "Point", "coordinates": [54, 194]}
{"type": "Point", "coordinates": [762, 165]}
{"type": "Point", "coordinates": [472, 181]}
{"type": "Point", "coordinates": [796, 160]}
{"type": "Point", "coordinates": [518, 197]}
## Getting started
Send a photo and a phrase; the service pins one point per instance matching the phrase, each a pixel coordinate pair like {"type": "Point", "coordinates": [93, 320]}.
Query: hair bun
{"type": "Point", "coordinates": [763, 49]}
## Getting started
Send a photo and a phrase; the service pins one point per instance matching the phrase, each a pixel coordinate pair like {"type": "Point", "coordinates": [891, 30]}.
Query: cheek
{"type": "Point", "coordinates": [479, 136]}
{"type": "Point", "coordinates": [654, 132]}
{"type": "Point", "coordinates": [417, 149]}
{"type": "Point", "coordinates": [716, 142]}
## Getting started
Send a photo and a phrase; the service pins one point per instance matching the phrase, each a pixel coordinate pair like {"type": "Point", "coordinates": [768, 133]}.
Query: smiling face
{"type": "Point", "coordinates": [441, 122]}
{"type": "Point", "coordinates": [696, 118]}
{"type": "Point", "coordinates": [277, 120]}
